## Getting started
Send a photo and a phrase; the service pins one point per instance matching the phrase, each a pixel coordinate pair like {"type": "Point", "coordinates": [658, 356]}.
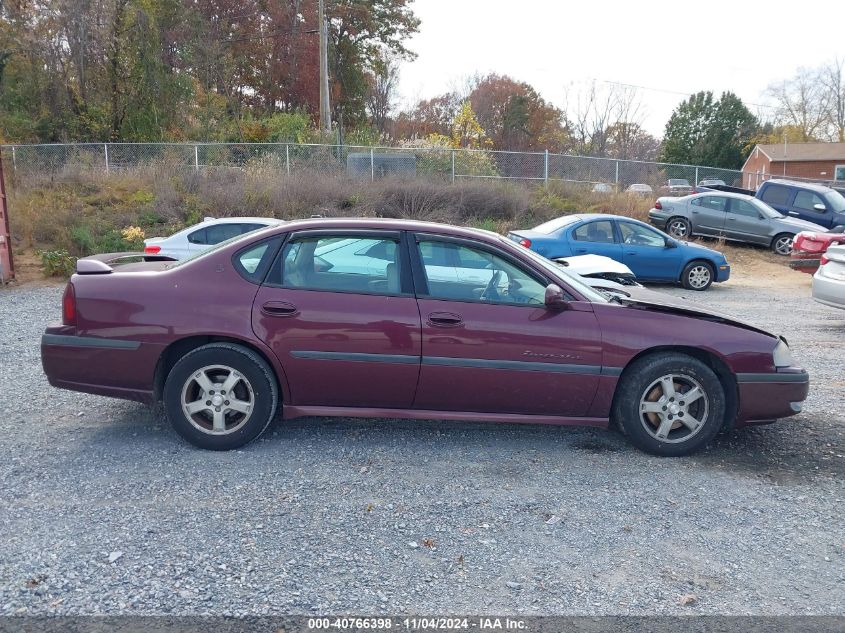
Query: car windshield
{"type": "Point", "coordinates": [836, 201]}
{"type": "Point", "coordinates": [766, 210]}
{"type": "Point", "coordinates": [679, 181]}
{"type": "Point", "coordinates": [555, 225]}
{"type": "Point", "coordinates": [573, 279]}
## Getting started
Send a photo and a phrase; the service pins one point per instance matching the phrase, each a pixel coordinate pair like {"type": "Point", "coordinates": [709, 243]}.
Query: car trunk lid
{"type": "Point", "coordinates": [108, 263]}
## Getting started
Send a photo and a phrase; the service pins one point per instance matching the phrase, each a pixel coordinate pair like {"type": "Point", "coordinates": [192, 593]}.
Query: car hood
{"type": "Point", "coordinates": [645, 299]}
{"type": "Point", "coordinates": [593, 265]}
{"type": "Point", "coordinates": [800, 225]}
{"type": "Point", "coordinates": [698, 248]}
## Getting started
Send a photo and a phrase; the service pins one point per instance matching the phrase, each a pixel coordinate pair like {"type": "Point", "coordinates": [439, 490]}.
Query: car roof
{"type": "Point", "coordinates": [727, 194]}
{"type": "Point", "coordinates": [802, 185]}
{"type": "Point", "coordinates": [390, 224]}
{"type": "Point", "coordinates": [238, 220]}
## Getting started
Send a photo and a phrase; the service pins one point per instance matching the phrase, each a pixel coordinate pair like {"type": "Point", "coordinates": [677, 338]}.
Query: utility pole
{"type": "Point", "coordinates": [325, 110]}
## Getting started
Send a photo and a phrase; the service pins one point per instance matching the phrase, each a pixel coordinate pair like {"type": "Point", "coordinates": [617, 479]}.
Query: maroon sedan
{"type": "Point", "coordinates": [401, 319]}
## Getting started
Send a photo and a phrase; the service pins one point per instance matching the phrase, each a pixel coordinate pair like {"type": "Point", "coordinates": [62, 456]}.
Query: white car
{"type": "Point", "coordinates": [640, 189]}
{"type": "Point", "coordinates": [829, 280]}
{"type": "Point", "coordinates": [200, 236]}
{"type": "Point", "coordinates": [598, 267]}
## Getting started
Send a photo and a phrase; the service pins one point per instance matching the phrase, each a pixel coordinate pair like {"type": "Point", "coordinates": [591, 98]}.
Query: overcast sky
{"type": "Point", "coordinates": [680, 47]}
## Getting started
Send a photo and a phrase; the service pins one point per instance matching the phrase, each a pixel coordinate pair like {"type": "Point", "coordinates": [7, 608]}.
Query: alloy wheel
{"type": "Point", "coordinates": [674, 408]}
{"type": "Point", "coordinates": [678, 228]}
{"type": "Point", "coordinates": [783, 245]}
{"type": "Point", "coordinates": [699, 276]}
{"type": "Point", "coordinates": [217, 399]}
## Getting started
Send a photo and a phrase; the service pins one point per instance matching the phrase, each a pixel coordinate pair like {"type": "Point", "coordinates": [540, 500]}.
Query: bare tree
{"type": "Point", "coordinates": [832, 78]}
{"type": "Point", "coordinates": [381, 97]}
{"type": "Point", "coordinates": [803, 102]}
{"type": "Point", "coordinates": [601, 116]}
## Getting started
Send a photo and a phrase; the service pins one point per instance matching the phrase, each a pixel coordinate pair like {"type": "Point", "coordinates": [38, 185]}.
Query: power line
{"type": "Point", "coordinates": [673, 92]}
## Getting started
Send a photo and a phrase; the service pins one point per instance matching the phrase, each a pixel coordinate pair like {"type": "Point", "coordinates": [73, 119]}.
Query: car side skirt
{"type": "Point", "coordinates": [292, 411]}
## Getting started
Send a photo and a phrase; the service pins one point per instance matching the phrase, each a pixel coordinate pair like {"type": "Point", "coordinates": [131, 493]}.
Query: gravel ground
{"type": "Point", "coordinates": [103, 509]}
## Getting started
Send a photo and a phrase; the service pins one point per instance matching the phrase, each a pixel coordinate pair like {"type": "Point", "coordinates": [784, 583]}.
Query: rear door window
{"type": "Point", "coordinates": [358, 264]}
{"type": "Point", "coordinates": [776, 195]}
{"type": "Point", "coordinates": [743, 208]}
{"type": "Point", "coordinates": [600, 231]}
{"type": "Point", "coordinates": [714, 203]}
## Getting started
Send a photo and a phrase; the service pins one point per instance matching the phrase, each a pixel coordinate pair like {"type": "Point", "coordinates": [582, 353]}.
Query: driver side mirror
{"type": "Point", "coordinates": [819, 207]}
{"type": "Point", "coordinates": [555, 299]}
{"type": "Point", "coordinates": [670, 243]}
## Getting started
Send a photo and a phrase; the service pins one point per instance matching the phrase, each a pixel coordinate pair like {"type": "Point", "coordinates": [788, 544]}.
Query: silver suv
{"type": "Point", "coordinates": [732, 216]}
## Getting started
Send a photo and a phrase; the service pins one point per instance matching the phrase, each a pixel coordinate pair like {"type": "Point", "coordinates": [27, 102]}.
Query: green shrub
{"type": "Point", "coordinates": [57, 263]}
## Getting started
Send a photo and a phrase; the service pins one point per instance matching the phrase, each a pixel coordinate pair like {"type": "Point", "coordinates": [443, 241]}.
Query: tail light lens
{"type": "Point", "coordinates": [657, 205]}
{"type": "Point", "coordinates": [524, 242]}
{"type": "Point", "coordinates": [823, 260]}
{"type": "Point", "coordinates": [152, 250]}
{"type": "Point", "coordinates": [69, 306]}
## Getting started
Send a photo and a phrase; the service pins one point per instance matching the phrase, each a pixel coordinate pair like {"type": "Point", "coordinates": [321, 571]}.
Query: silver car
{"type": "Point", "coordinates": [733, 216]}
{"type": "Point", "coordinates": [829, 280]}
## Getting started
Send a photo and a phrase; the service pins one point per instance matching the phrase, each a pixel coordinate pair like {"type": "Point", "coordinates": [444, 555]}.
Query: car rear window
{"type": "Point", "coordinates": [555, 225]}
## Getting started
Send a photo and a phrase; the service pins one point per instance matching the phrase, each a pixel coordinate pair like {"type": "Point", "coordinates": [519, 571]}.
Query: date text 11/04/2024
{"type": "Point", "coordinates": [418, 623]}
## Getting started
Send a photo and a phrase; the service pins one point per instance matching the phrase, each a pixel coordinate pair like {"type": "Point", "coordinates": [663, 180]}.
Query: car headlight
{"type": "Point", "coordinates": [781, 355]}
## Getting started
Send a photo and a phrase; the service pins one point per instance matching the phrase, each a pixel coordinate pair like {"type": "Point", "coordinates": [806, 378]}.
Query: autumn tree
{"type": "Point", "coordinates": [515, 116]}
{"type": "Point", "coordinates": [427, 117]}
{"type": "Point", "coordinates": [467, 131]}
{"type": "Point", "coordinates": [361, 33]}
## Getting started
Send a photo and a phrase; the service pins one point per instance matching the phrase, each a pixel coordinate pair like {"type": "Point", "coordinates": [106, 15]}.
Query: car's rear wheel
{"type": "Point", "coordinates": [669, 404]}
{"type": "Point", "coordinates": [697, 276]}
{"type": "Point", "coordinates": [679, 228]}
{"type": "Point", "coordinates": [220, 396]}
{"type": "Point", "coordinates": [782, 244]}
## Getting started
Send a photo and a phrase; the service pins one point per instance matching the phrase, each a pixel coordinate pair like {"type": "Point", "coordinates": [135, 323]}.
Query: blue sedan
{"type": "Point", "coordinates": [652, 255]}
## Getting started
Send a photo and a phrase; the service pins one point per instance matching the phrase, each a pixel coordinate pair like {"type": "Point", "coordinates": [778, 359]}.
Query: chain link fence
{"type": "Point", "coordinates": [360, 162]}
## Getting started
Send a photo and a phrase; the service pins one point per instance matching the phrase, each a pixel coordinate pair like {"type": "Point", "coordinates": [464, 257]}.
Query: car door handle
{"type": "Point", "coordinates": [445, 319]}
{"type": "Point", "coordinates": [793, 212]}
{"type": "Point", "coordinates": [279, 309]}
{"type": "Point", "coordinates": [580, 250]}
{"type": "Point", "coordinates": [630, 252]}
{"type": "Point", "coordinates": [695, 212]}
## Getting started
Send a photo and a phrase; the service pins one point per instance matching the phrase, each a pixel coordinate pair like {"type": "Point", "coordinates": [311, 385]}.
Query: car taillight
{"type": "Point", "coordinates": [524, 242]}
{"type": "Point", "coordinates": [823, 260]}
{"type": "Point", "coordinates": [657, 205]}
{"type": "Point", "coordinates": [152, 250]}
{"type": "Point", "coordinates": [69, 306]}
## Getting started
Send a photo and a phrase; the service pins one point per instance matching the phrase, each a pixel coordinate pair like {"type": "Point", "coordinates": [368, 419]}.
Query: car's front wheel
{"type": "Point", "coordinates": [679, 228]}
{"type": "Point", "coordinates": [697, 276]}
{"type": "Point", "coordinates": [220, 396]}
{"type": "Point", "coordinates": [782, 244]}
{"type": "Point", "coordinates": [669, 404]}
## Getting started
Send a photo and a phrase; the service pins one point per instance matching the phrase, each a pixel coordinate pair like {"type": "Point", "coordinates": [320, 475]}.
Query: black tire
{"type": "Point", "coordinates": [640, 383]}
{"type": "Point", "coordinates": [698, 275]}
{"type": "Point", "coordinates": [679, 227]}
{"type": "Point", "coordinates": [778, 242]}
{"type": "Point", "coordinates": [254, 384]}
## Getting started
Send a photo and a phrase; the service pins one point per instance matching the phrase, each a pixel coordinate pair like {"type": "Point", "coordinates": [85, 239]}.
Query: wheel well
{"type": "Point", "coordinates": [176, 350]}
{"type": "Point", "coordinates": [775, 238]}
{"type": "Point", "coordinates": [722, 371]}
{"type": "Point", "coordinates": [698, 261]}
